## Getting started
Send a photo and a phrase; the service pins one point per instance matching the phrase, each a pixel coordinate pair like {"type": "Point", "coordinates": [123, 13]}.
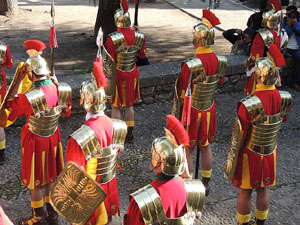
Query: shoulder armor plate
{"type": "Point", "coordinates": [195, 195]}
{"type": "Point", "coordinates": [196, 68]}
{"type": "Point", "coordinates": [222, 64]}
{"type": "Point", "coordinates": [87, 140]}
{"type": "Point", "coordinates": [254, 107]}
{"type": "Point", "coordinates": [286, 101]}
{"type": "Point", "coordinates": [119, 41]}
{"type": "Point", "coordinates": [120, 132]}
{"type": "Point", "coordinates": [2, 52]}
{"type": "Point", "coordinates": [64, 94]}
{"type": "Point", "coordinates": [150, 204]}
{"type": "Point", "coordinates": [267, 37]}
{"type": "Point", "coordinates": [37, 100]}
{"type": "Point", "coordinates": [139, 39]}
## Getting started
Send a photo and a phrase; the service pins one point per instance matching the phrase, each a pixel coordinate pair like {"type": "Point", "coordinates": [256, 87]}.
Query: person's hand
{"type": "Point", "coordinates": [239, 31]}
{"type": "Point", "coordinates": [291, 22]}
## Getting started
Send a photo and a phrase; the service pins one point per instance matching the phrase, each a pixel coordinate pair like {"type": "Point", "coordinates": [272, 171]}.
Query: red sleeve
{"type": "Point", "coordinates": [244, 119]}
{"type": "Point", "coordinates": [134, 215]}
{"type": "Point", "coordinates": [19, 106]}
{"type": "Point", "coordinates": [110, 47]}
{"type": "Point", "coordinates": [74, 153]}
{"type": "Point", "coordinates": [183, 80]}
{"type": "Point", "coordinates": [257, 47]}
{"type": "Point", "coordinates": [142, 52]}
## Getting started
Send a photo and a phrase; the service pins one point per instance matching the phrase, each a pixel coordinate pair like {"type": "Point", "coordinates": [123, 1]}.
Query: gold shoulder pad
{"type": "Point", "coordinates": [195, 195]}
{"type": "Point", "coordinates": [222, 64]}
{"type": "Point", "coordinates": [64, 94]}
{"type": "Point", "coordinates": [109, 68]}
{"type": "Point", "coordinates": [119, 41]}
{"type": "Point", "coordinates": [38, 102]}
{"type": "Point", "coordinates": [196, 69]}
{"type": "Point", "coordinates": [75, 195]}
{"type": "Point", "coordinates": [233, 150]}
{"type": "Point", "coordinates": [286, 101]}
{"type": "Point", "coordinates": [267, 37]}
{"type": "Point", "coordinates": [150, 204]}
{"type": "Point", "coordinates": [254, 107]}
{"type": "Point", "coordinates": [87, 140]}
{"type": "Point", "coordinates": [139, 39]}
{"type": "Point", "coordinates": [2, 52]}
{"type": "Point", "coordinates": [120, 132]}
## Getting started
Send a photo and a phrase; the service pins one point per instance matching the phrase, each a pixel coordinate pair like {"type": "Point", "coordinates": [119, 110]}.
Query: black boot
{"type": "Point", "coordinates": [129, 136]}
{"type": "Point", "coordinates": [205, 182]}
{"type": "Point", "coordinates": [259, 222]}
{"type": "Point", "coordinates": [38, 217]}
{"type": "Point", "coordinates": [52, 216]}
{"type": "Point", "coordinates": [2, 156]}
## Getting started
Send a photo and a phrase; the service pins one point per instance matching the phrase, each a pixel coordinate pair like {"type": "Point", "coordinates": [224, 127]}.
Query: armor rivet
{"type": "Point", "coordinates": [51, 179]}
{"type": "Point", "coordinates": [235, 182]}
{"type": "Point", "coordinates": [37, 182]}
{"type": "Point", "coordinates": [37, 115]}
{"type": "Point", "coordinates": [24, 181]}
{"type": "Point", "coordinates": [268, 180]}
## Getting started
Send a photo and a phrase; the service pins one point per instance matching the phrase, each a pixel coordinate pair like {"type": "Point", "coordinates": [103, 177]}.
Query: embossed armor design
{"type": "Point", "coordinates": [152, 210]}
{"type": "Point", "coordinates": [262, 136]}
{"type": "Point", "coordinates": [101, 162]}
{"type": "Point", "coordinates": [44, 120]}
{"type": "Point", "coordinates": [204, 87]}
{"type": "Point", "coordinates": [2, 52]}
{"type": "Point", "coordinates": [267, 37]}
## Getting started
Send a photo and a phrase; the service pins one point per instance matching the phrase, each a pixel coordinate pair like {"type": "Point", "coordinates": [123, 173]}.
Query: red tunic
{"type": "Point", "coordinates": [173, 197]}
{"type": "Point", "coordinates": [41, 157]}
{"type": "Point", "coordinates": [257, 51]}
{"type": "Point", "coordinates": [254, 170]}
{"type": "Point", "coordinates": [127, 83]}
{"type": "Point", "coordinates": [7, 64]}
{"type": "Point", "coordinates": [203, 131]}
{"type": "Point", "coordinates": [103, 128]}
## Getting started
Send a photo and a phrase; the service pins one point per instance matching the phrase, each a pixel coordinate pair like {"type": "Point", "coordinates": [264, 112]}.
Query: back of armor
{"type": "Point", "coordinates": [44, 120]}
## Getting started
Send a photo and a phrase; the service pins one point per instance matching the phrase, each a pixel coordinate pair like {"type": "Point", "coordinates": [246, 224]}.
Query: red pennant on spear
{"type": "Point", "coordinates": [53, 41]}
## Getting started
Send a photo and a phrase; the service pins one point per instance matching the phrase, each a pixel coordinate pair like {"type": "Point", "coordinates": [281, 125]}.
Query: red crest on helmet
{"type": "Point", "coordinates": [176, 128]}
{"type": "Point", "coordinates": [99, 75]}
{"type": "Point", "coordinates": [211, 17]}
{"type": "Point", "coordinates": [276, 55]}
{"type": "Point", "coordinates": [35, 44]}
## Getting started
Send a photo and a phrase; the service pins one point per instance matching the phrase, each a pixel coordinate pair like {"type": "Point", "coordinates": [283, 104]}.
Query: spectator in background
{"type": "Point", "coordinates": [241, 40]}
{"type": "Point", "coordinates": [292, 27]}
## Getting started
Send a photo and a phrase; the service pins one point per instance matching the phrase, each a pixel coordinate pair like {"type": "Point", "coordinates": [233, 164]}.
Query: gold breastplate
{"type": "Point", "coordinates": [267, 37]}
{"type": "Point", "coordinates": [262, 135]}
{"type": "Point", "coordinates": [126, 55]}
{"type": "Point", "coordinates": [152, 210]}
{"type": "Point", "coordinates": [2, 52]}
{"type": "Point", "coordinates": [101, 162]}
{"type": "Point", "coordinates": [44, 120]}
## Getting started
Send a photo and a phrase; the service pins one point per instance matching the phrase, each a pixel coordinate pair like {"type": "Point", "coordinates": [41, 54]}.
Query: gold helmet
{"type": "Point", "coordinates": [204, 31]}
{"type": "Point", "coordinates": [169, 150]}
{"type": "Point", "coordinates": [266, 68]}
{"type": "Point", "coordinates": [92, 94]}
{"type": "Point", "coordinates": [270, 17]}
{"type": "Point", "coordinates": [122, 17]}
{"type": "Point", "coordinates": [36, 62]}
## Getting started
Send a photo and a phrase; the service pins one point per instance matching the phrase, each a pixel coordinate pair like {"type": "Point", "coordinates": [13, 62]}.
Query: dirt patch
{"type": "Point", "coordinates": [168, 32]}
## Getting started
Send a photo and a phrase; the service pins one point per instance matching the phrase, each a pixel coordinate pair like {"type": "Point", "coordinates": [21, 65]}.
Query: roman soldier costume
{"type": "Point", "coordinates": [95, 146]}
{"type": "Point", "coordinates": [195, 87]}
{"type": "Point", "coordinates": [120, 54]}
{"type": "Point", "coordinates": [168, 199]}
{"type": "Point", "coordinates": [252, 155]}
{"type": "Point", "coordinates": [43, 104]}
{"type": "Point", "coordinates": [5, 62]}
{"type": "Point", "coordinates": [262, 40]}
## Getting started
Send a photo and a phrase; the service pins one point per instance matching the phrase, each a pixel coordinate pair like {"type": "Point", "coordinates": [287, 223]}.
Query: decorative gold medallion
{"type": "Point", "coordinates": [75, 195]}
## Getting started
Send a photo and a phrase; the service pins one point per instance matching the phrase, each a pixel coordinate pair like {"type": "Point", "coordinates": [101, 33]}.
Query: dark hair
{"type": "Point", "coordinates": [291, 8]}
{"type": "Point", "coordinates": [293, 15]}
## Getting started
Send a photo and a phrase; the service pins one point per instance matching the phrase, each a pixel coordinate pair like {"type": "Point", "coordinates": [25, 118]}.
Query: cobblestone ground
{"type": "Point", "coordinates": [220, 206]}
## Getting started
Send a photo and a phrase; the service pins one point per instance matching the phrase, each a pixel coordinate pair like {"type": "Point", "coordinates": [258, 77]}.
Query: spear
{"type": "Point", "coordinates": [99, 43]}
{"type": "Point", "coordinates": [136, 3]}
{"type": "Point", "coordinates": [53, 41]}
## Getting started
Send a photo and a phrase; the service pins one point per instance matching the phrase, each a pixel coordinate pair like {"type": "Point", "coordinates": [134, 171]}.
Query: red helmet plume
{"type": "Point", "coordinates": [35, 45]}
{"type": "Point", "coordinates": [276, 4]}
{"type": "Point", "coordinates": [211, 17]}
{"type": "Point", "coordinates": [276, 55]}
{"type": "Point", "coordinates": [124, 5]}
{"type": "Point", "coordinates": [176, 128]}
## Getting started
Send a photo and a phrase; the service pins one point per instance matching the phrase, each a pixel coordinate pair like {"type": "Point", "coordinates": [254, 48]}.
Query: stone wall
{"type": "Point", "coordinates": [157, 80]}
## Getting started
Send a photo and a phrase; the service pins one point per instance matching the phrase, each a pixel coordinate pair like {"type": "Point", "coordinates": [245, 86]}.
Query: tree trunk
{"type": "Point", "coordinates": [105, 17]}
{"type": "Point", "coordinates": [8, 7]}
